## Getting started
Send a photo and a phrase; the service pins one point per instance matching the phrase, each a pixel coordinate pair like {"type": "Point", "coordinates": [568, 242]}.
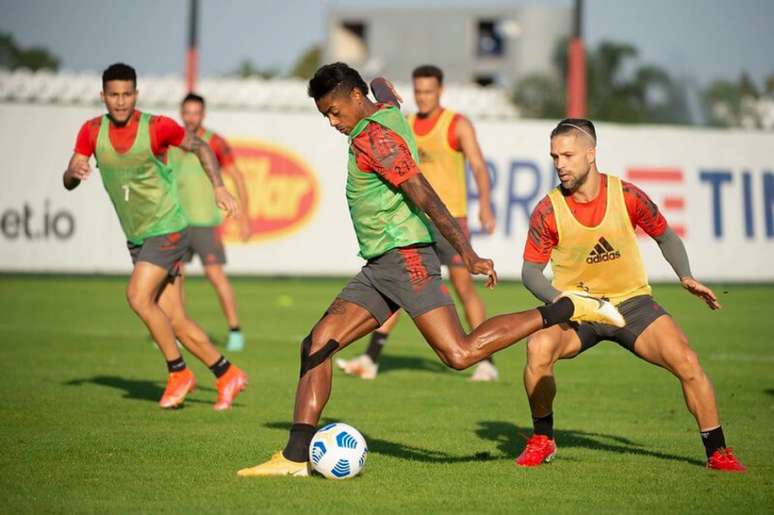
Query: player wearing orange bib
{"type": "Point", "coordinates": [586, 228]}
{"type": "Point", "coordinates": [445, 140]}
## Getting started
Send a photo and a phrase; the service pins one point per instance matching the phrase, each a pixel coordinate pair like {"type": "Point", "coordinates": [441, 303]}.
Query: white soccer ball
{"type": "Point", "coordinates": [338, 451]}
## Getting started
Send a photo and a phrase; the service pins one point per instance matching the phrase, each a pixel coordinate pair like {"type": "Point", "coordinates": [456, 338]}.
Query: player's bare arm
{"type": "Point", "coordinates": [419, 191]}
{"type": "Point", "coordinates": [384, 91]}
{"type": "Point", "coordinates": [77, 170]}
{"type": "Point", "coordinates": [193, 143]}
{"type": "Point", "coordinates": [466, 135]}
{"type": "Point", "coordinates": [239, 179]}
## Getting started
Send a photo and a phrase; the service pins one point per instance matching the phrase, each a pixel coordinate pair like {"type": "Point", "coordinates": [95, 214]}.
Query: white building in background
{"type": "Point", "coordinates": [482, 45]}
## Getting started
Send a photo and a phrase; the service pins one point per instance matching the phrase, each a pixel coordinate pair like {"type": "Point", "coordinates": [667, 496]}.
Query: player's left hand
{"type": "Point", "coordinates": [701, 291]}
{"type": "Point", "coordinates": [487, 219]}
{"type": "Point", "coordinates": [482, 266]}
{"type": "Point", "coordinates": [226, 201]}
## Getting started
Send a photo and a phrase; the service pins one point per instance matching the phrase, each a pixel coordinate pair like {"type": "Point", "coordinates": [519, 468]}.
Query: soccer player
{"type": "Point", "coordinates": [445, 140]}
{"type": "Point", "coordinates": [130, 147]}
{"type": "Point", "coordinates": [389, 200]}
{"type": "Point", "coordinates": [197, 199]}
{"type": "Point", "coordinates": [585, 227]}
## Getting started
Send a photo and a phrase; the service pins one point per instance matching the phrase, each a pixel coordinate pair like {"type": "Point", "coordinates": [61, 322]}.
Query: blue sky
{"type": "Point", "coordinates": [698, 39]}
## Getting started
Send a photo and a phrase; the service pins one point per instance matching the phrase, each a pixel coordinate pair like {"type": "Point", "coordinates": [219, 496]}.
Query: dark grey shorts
{"type": "Point", "coordinates": [447, 254]}
{"type": "Point", "coordinates": [408, 278]}
{"type": "Point", "coordinates": [207, 244]}
{"type": "Point", "coordinates": [639, 312]}
{"type": "Point", "coordinates": [166, 251]}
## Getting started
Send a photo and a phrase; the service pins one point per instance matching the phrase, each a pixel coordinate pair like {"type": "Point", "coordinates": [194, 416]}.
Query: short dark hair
{"type": "Point", "coordinates": [335, 76]}
{"type": "Point", "coordinates": [119, 71]}
{"type": "Point", "coordinates": [428, 70]}
{"type": "Point", "coordinates": [575, 124]}
{"type": "Point", "coordinates": [193, 97]}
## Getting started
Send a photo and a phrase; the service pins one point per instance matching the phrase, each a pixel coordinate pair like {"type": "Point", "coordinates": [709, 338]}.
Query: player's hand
{"type": "Point", "coordinates": [487, 218]}
{"type": "Point", "coordinates": [701, 291]}
{"type": "Point", "coordinates": [79, 170]}
{"type": "Point", "coordinates": [226, 201]}
{"type": "Point", "coordinates": [481, 266]}
{"type": "Point", "coordinates": [244, 228]}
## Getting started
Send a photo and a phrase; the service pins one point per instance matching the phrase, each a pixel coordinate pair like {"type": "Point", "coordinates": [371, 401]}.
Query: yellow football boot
{"type": "Point", "coordinates": [278, 465]}
{"type": "Point", "coordinates": [593, 309]}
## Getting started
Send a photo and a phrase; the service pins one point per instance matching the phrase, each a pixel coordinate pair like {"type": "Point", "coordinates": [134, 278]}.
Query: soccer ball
{"type": "Point", "coordinates": [338, 451]}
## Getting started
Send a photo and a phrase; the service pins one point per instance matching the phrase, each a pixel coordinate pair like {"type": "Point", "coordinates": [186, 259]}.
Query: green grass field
{"type": "Point", "coordinates": [81, 429]}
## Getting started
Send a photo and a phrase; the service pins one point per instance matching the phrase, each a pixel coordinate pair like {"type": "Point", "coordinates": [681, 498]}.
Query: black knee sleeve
{"type": "Point", "coordinates": [309, 360]}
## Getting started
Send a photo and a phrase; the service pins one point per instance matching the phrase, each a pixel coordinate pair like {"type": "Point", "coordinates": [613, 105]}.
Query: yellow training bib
{"type": "Point", "coordinates": [604, 260]}
{"type": "Point", "coordinates": [443, 166]}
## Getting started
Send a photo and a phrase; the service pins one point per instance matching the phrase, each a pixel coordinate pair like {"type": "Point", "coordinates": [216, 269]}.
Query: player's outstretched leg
{"type": "Point", "coordinates": [145, 283]}
{"type": "Point", "coordinates": [366, 366]}
{"type": "Point", "coordinates": [664, 344]}
{"type": "Point", "coordinates": [230, 380]}
{"type": "Point", "coordinates": [217, 277]}
{"type": "Point", "coordinates": [442, 330]}
{"type": "Point", "coordinates": [343, 323]}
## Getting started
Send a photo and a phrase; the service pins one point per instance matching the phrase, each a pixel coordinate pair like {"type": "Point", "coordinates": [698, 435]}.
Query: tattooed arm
{"type": "Point", "coordinates": [419, 191]}
{"type": "Point", "coordinates": [193, 143]}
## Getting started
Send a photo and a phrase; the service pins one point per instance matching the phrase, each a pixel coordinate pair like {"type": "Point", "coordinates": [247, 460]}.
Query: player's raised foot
{"type": "Point", "coordinates": [724, 459]}
{"type": "Point", "coordinates": [540, 449]}
{"type": "Point", "coordinates": [229, 385]}
{"type": "Point", "coordinates": [278, 465]}
{"type": "Point", "coordinates": [592, 309]}
{"type": "Point", "coordinates": [236, 342]}
{"type": "Point", "coordinates": [485, 372]}
{"type": "Point", "coordinates": [360, 366]}
{"type": "Point", "coordinates": [179, 384]}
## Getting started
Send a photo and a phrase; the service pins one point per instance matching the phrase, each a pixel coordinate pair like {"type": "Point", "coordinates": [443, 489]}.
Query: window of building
{"type": "Point", "coordinates": [489, 42]}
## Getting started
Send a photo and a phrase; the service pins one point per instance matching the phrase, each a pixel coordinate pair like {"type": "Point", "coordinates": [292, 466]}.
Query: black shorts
{"type": "Point", "coordinates": [166, 250]}
{"type": "Point", "coordinates": [207, 244]}
{"type": "Point", "coordinates": [447, 254]}
{"type": "Point", "coordinates": [639, 312]}
{"type": "Point", "coordinates": [408, 278]}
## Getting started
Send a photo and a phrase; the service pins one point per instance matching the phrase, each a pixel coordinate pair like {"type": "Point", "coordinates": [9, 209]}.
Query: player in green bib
{"type": "Point", "coordinates": [389, 203]}
{"type": "Point", "coordinates": [130, 149]}
{"type": "Point", "coordinates": [198, 201]}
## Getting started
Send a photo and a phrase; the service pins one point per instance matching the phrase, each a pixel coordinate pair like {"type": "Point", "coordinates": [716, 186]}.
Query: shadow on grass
{"type": "Point", "coordinates": [138, 389]}
{"type": "Point", "coordinates": [769, 391]}
{"type": "Point", "coordinates": [392, 363]}
{"type": "Point", "coordinates": [510, 441]}
{"type": "Point", "coordinates": [402, 451]}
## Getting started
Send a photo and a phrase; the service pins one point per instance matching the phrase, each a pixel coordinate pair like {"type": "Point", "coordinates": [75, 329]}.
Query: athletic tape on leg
{"type": "Point", "coordinates": [310, 361]}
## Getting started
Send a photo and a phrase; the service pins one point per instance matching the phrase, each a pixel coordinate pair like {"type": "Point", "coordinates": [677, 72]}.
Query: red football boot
{"type": "Point", "coordinates": [724, 459]}
{"type": "Point", "coordinates": [540, 449]}
{"type": "Point", "coordinates": [229, 385]}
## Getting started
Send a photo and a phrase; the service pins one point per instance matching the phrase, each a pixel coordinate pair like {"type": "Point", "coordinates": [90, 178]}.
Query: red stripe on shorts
{"type": "Point", "coordinates": [414, 266]}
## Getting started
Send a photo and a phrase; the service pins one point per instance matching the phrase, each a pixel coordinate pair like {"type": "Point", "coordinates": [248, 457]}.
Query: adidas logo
{"type": "Point", "coordinates": [602, 252]}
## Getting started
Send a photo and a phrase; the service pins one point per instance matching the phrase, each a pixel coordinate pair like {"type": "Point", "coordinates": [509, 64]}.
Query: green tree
{"type": "Point", "coordinates": [247, 68]}
{"type": "Point", "coordinates": [616, 89]}
{"type": "Point", "coordinates": [307, 63]}
{"type": "Point", "coordinates": [33, 58]}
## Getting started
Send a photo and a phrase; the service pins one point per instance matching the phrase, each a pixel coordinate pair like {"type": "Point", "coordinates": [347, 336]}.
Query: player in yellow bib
{"type": "Point", "coordinates": [198, 202]}
{"type": "Point", "coordinates": [445, 141]}
{"type": "Point", "coordinates": [130, 148]}
{"type": "Point", "coordinates": [586, 228]}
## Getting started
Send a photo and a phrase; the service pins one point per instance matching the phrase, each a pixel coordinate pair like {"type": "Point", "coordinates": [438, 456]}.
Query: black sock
{"type": "Point", "coordinates": [235, 329]}
{"type": "Point", "coordinates": [556, 313]}
{"type": "Point", "coordinates": [297, 448]}
{"type": "Point", "coordinates": [713, 440]}
{"type": "Point", "coordinates": [221, 366]}
{"type": "Point", "coordinates": [544, 425]}
{"type": "Point", "coordinates": [376, 345]}
{"type": "Point", "coordinates": [176, 365]}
